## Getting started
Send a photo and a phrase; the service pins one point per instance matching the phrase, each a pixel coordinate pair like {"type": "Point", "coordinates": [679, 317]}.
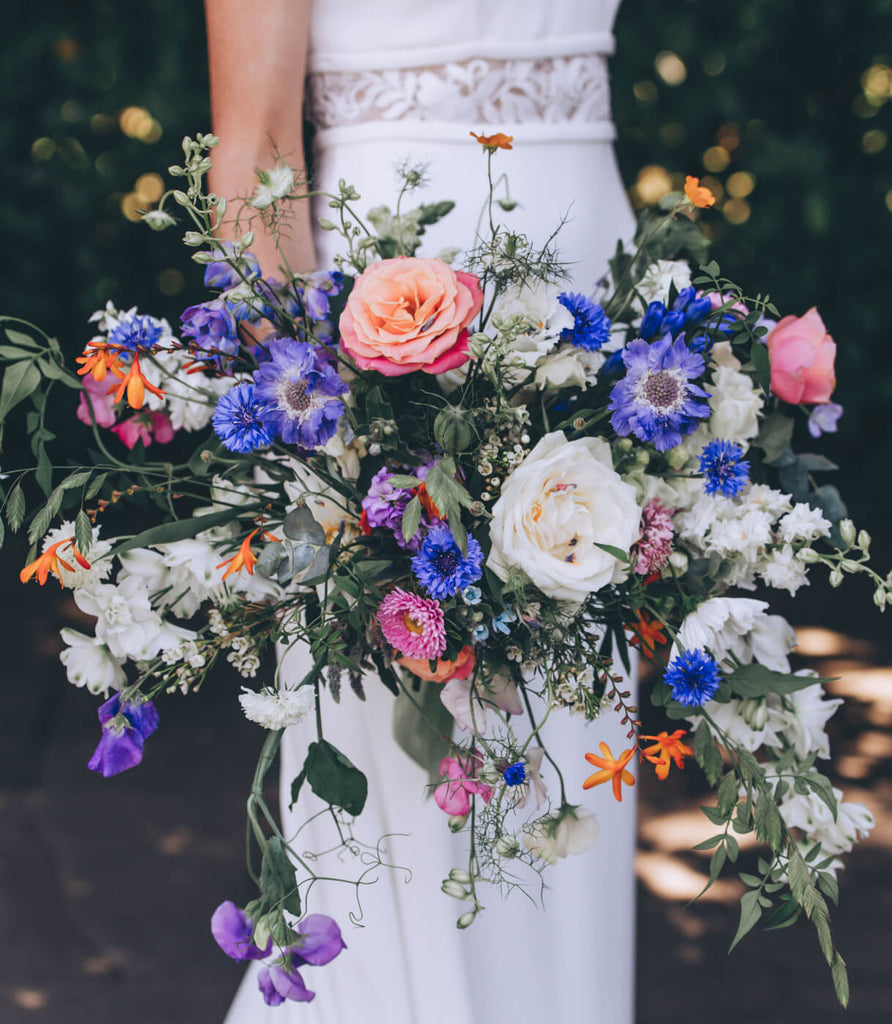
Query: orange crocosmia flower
{"type": "Point", "coordinates": [245, 558]}
{"type": "Point", "coordinates": [97, 360]}
{"type": "Point", "coordinates": [427, 502]}
{"type": "Point", "coordinates": [494, 142]}
{"type": "Point", "coordinates": [666, 748]}
{"type": "Point", "coordinates": [135, 384]}
{"type": "Point", "coordinates": [52, 562]}
{"type": "Point", "coordinates": [698, 194]}
{"type": "Point", "coordinates": [648, 632]}
{"type": "Point", "coordinates": [612, 769]}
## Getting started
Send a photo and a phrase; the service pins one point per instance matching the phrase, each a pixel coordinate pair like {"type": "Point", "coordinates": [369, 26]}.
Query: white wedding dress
{"type": "Point", "coordinates": [411, 78]}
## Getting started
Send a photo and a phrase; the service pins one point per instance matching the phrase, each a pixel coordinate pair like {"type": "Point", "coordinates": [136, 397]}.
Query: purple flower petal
{"type": "Point", "coordinates": [290, 985]}
{"type": "Point", "coordinates": [120, 749]}
{"type": "Point", "coordinates": [823, 419]}
{"type": "Point", "coordinates": [320, 940]}
{"type": "Point", "coordinates": [233, 932]}
{"type": "Point", "coordinates": [265, 983]}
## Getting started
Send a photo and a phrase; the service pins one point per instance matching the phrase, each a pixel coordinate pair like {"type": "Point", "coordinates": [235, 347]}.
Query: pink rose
{"type": "Point", "coordinates": [410, 314]}
{"type": "Point", "coordinates": [461, 668]}
{"type": "Point", "coordinates": [802, 354]}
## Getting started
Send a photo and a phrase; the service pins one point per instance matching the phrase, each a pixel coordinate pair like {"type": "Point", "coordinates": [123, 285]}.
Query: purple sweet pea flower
{"type": "Point", "coordinates": [267, 989]}
{"type": "Point", "coordinates": [317, 290]}
{"type": "Point", "coordinates": [125, 728]}
{"type": "Point", "coordinates": [213, 331]}
{"type": "Point", "coordinates": [233, 932]}
{"type": "Point", "coordinates": [319, 941]}
{"type": "Point", "coordinates": [823, 419]}
{"type": "Point", "coordinates": [222, 275]}
{"type": "Point", "coordinates": [280, 982]}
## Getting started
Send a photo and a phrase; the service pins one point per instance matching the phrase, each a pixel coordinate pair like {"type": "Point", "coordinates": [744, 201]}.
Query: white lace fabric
{"type": "Point", "coordinates": [552, 90]}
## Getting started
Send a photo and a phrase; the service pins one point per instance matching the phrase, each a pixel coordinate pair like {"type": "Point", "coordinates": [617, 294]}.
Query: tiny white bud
{"type": "Point", "coordinates": [809, 556]}
{"type": "Point", "coordinates": [247, 240]}
{"type": "Point", "coordinates": [836, 577]}
{"type": "Point", "coordinates": [847, 531]}
{"type": "Point", "coordinates": [880, 598]}
{"type": "Point", "coordinates": [181, 197]}
{"type": "Point", "coordinates": [326, 224]}
{"type": "Point", "coordinates": [850, 566]}
{"type": "Point", "coordinates": [193, 238]}
{"type": "Point", "coordinates": [864, 540]}
{"type": "Point", "coordinates": [679, 562]}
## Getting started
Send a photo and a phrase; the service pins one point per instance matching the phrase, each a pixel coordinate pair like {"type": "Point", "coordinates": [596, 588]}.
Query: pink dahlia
{"type": "Point", "coordinates": [414, 625]}
{"type": "Point", "coordinates": [655, 544]}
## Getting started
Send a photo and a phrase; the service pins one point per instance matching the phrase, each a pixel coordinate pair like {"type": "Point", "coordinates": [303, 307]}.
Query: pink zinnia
{"type": "Point", "coordinates": [655, 544]}
{"type": "Point", "coordinates": [414, 625]}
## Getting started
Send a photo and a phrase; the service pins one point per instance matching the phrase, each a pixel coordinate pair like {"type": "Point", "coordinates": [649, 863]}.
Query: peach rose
{"type": "Point", "coordinates": [461, 668]}
{"type": "Point", "coordinates": [802, 354]}
{"type": "Point", "coordinates": [410, 314]}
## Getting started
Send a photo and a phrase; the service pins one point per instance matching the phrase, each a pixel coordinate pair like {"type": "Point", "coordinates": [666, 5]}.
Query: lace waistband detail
{"type": "Point", "coordinates": [476, 92]}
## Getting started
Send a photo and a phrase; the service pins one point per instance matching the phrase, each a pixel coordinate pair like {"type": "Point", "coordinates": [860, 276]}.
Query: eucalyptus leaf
{"type": "Point", "coordinates": [300, 526]}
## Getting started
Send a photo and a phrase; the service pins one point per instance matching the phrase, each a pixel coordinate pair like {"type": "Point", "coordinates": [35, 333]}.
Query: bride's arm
{"type": "Point", "coordinates": [257, 52]}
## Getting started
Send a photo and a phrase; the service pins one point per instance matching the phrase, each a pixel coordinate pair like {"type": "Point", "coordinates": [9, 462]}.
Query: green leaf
{"type": "Point", "coordinates": [754, 680]}
{"type": "Point", "coordinates": [750, 912]}
{"type": "Point", "coordinates": [297, 785]}
{"type": "Point", "coordinates": [716, 863]}
{"type": "Point", "coordinates": [180, 529]}
{"type": "Point", "coordinates": [277, 878]}
{"type": "Point", "coordinates": [15, 508]}
{"type": "Point", "coordinates": [774, 435]}
{"type": "Point", "coordinates": [829, 886]}
{"type": "Point", "coordinates": [422, 727]}
{"type": "Point", "coordinates": [13, 354]}
{"type": "Point", "coordinates": [768, 822]}
{"type": "Point", "coordinates": [21, 340]}
{"type": "Point", "coordinates": [19, 381]}
{"type": "Point", "coordinates": [95, 486]}
{"type": "Point", "coordinates": [618, 553]}
{"type": "Point", "coordinates": [83, 532]}
{"type": "Point", "coordinates": [715, 816]}
{"type": "Point", "coordinates": [411, 518]}
{"type": "Point", "coordinates": [708, 755]}
{"type": "Point", "coordinates": [726, 798]}
{"type": "Point", "coordinates": [709, 844]}
{"type": "Point", "coordinates": [759, 356]}
{"type": "Point", "coordinates": [335, 779]}
{"type": "Point", "coordinates": [840, 980]}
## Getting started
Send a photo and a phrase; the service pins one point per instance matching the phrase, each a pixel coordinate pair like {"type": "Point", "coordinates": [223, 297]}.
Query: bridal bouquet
{"type": "Point", "coordinates": [458, 478]}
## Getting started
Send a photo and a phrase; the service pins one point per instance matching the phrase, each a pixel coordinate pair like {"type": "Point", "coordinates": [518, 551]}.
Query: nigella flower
{"type": "Point", "coordinates": [657, 400]}
{"type": "Point", "coordinates": [515, 774]}
{"type": "Point", "coordinates": [414, 625]}
{"type": "Point", "coordinates": [723, 465]}
{"type": "Point", "coordinates": [302, 390]}
{"type": "Point", "coordinates": [213, 331]}
{"type": "Point", "coordinates": [441, 568]}
{"type": "Point", "coordinates": [136, 333]}
{"type": "Point", "coordinates": [591, 328]}
{"type": "Point", "coordinates": [501, 623]}
{"type": "Point", "coordinates": [693, 677]}
{"type": "Point", "coordinates": [222, 274]}
{"type": "Point", "coordinates": [241, 420]}
{"type": "Point", "coordinates": [125, 728]}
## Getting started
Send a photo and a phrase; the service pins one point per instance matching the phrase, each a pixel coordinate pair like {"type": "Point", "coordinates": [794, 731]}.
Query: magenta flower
{"type": "Point", "coordinates": [655, 544]}
{"type": "Point", "coordinates": [101, 400]}
{"type": "Point", "coordinates": [414, 625]}
{"type": "Point", "coordinates": [146, 428]}
{"type": "Point", "coordinates": [454, 796]}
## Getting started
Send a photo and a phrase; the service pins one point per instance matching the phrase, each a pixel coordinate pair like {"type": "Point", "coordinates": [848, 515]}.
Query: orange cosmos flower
{"type": "Point", "coordinates": [135, 384]}
{"type": "Point", "coordinates": [648, 632]}
{"type": "Point", "coordinates": [698, 194]}
{"type": "Point", "coordinates": [666, 748]}
{"type": "Point", "coordinates": [494, 142]}
{"type": "Point", "coordinates": [612, 769]}
{"type": "Point", "coordinates": [245, 558]}
{"type": "Point", "coordinates": [52, 562]}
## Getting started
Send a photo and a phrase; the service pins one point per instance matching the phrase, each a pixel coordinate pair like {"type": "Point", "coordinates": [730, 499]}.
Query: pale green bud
{"type": "Point", "coordinates": [754, 713]}
{"type": "Point", "coordinates": [326, 224]}
{"type": "Point", "coordinates": [677, 457]}
{"type": "Point", "coordinates": [181, 197]}
{"type": "Point", "coordinates": [457, 822]}
{"type": "Point", "coordinates": [880, 598]}
{"type": "Point", "coordinates": [809, 556]}
{"type": "Point", "coordinates": [466, 920]}
{"type": "Point", "coordinates": [850, 566]}
{"type": "Point", "coordinates": [452, 431]}
{"type": "Point", "coordinates": [454, 889]}
{"type": "Point", "coordinates": [193, 239]}
{"type": "Point", "coordinates": [847, 531]}
{"type": "Point", "coordinates": [203, 257]}
{"type": "Point", "coordinates": [679, 562]}
{"type": "Point", "coordinates": [624, 444]}
{"type": "Point", "coordinates": [247, 240]}
{"type": "Point", "coordinates": [489, 773]}
{"type": "Point", "coordinates": [460, 875]}
{"type": "Point", "coordinates": [836, 577]}
{"type": "Point", "coordinates": [864, 541]}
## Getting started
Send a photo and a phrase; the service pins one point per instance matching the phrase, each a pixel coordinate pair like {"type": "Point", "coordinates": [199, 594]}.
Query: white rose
{"type": "Point", "coordinates": [563, 500]}
{"type": "Point", "coordinates": [735, 405]}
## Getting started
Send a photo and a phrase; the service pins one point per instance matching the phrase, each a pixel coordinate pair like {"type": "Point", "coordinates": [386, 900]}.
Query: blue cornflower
{"type": "Point", "coordinates": [136, 333]}
{"type": "Point", "coordinates": [726, 472]}
{"type": "Point", "coordinates": [591, 328]}
{"type": "Point", "coordinates": [221, 274]}
{"type": "Point", "coordinates": [125, 728]}
{"type": "Point", "coordinates": [657, 400]}
{"type": "Point", "coordinates": [441, 568]}
{"type": "Point", "coordinates": [693, 677]}
{"type": "Point", "coordinates": [501, 623]}
{"type": "Point", "coordinates": [241, 420]}
{"type": "Point", "coordinates": [213, 331]}
{"type": "Point", "coordinates": [301, 389]}
{"type": "Point", "coordinates": [515, 774]}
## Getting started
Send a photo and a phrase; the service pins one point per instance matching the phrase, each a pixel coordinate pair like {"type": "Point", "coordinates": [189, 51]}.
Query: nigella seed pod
{"type": "Point", "coordinates": [507, 846]}
{"type": "Point", "coordinates": [452, 431]}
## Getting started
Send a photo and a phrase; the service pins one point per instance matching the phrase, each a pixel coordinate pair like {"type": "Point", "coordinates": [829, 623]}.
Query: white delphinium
{"type": "Point", "coordinates": [745, 722]}
{"type": "Point", "coordinates": [276, 709]}
{"type": "Point", "coordinates": [738, 627]}
{"type": "Point", "coordinates": [273, 185]}
{"type": "Point", "coordinates": [89, 663]}
{"type": "Point", "coordinates": [195, 575]}
{"type": "Point", "coordinates": [125, 620]}
{"type": "Point", "coordinates": [660, 276]}
{"type": "Point", "coordinates": [784, 569]}
{"type": "Point", "coordinates": [79, 576]}
{"type": "Point", "coordinates": [803, 523]}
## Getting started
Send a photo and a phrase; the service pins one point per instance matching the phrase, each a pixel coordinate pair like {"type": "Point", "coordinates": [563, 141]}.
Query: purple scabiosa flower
{"type": "Point", "coordinates": [591, 328]}
{"type": "Point", "coordinates": [441, 568]}
{"type": "Point", "coordinates": [657, 400]}
{"type": "Point", "coordinates": [693, 678]}
{"type": "Point", "coordinates": [213, 331]}
{"type": "Point", "coordinates": [136, 333]}
{"type": "Point", "coordinates": [823, 419]}
{"type": "Point", "coordinates": [233, 932]}
{"type": "Point", "coordinates": [725, 470]}
{"type": "Point", "coordinates": [241, 420]}
{"type": "Point", "coordinates": [222, 275]}
{"type": "Point", "coordinates": [125, 728]}
{"type": "Point", "coordinates": [301, 389]}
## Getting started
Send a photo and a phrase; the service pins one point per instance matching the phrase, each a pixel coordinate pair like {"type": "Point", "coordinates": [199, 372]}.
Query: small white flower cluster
{"type": "Point", "coordinates": [243, 658]}
{"type": "Point", "coordinates": [760, 533]}
{"type": "Point", "coordinates": [277, 709]}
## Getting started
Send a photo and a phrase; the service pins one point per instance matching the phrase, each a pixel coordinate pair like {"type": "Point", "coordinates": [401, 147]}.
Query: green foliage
{"type": "Point", "coordinates": [334, 778]}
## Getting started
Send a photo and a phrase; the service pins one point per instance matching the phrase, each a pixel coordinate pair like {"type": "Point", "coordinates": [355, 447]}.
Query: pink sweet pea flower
{"type": "Point", "coordinates": [156, 426]}
{"type": "Point", "coordinates": [454, 797]}
{"type": "Point", "coordinates": [102, 401]}
{"type": "Point", "coordinates": [802, 355]}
